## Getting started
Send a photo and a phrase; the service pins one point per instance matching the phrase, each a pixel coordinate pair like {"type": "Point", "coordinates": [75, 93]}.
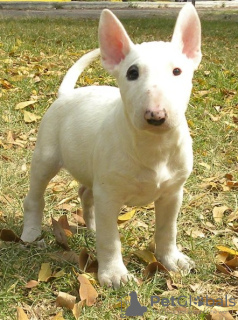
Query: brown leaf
{"type": "Point", "coordinates": [9, 235]}
{"type": "Point", "coordinates": [45, 272]}
{"type": "Point", "coordinates": [31, 284]}
{"type": "Point", "coordinates": [83, 259]}
{"type": "Point", "coordinates": [60, 235]}
{"type": "Point", "coordinates": [21, 315]}
{"type": "Point", "coordinates": [78, 216]}
{"type": "Point", "coordinates": [65, 300]}
{"type": "Point", "coordinates": [222, 268]}
{"type": "Point", "coordinates": [69, 256]}
{"type": "Point", "coordinates": [63, 221]}
{"type": "Point", "coordinates": [5, 84]}
{"type": "Point", "coordinates": [222, 257]}
{"type": "Point", "coordinates": [92, 267]}
{"type": "Point", "coordinates": [218, 315]}
{"type": "Point", "coordinates": [153, 267]}
{"type": "Point", "coordinates": [171, 286]}
{"type": "Point", "coordinates": [87, 291]}
{"type": "Point", "coordinates": [233, 263]}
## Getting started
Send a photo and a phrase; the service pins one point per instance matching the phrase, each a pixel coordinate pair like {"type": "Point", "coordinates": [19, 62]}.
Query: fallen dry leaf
{"type": "Point", "coordinates": [58, 316]}
{"type": "Point", "coordinates": [45, 272]}
{"type": "Point", "coordinates": [78, 216]}
{"type": "Point", "coordinates": [60, 235]}
{"type": "Point", "coordinates": [218, 213]}
{"type": "Point", "coordinates": [31, 284]}
{"type": "Point", "coordinates": [69, 256]}
{"type": "Point", "coordinates": [126, 216]}
{"type": "Point", "coordinates": [87, 291]}
{"type": "Point", "coordinates": [24, 104]}
{"type": "Point", "coordinates": [222, 315]}
{"type": "Point", "coordinates": [30, 117]}
{"type": "Point", "coordinates": [83, 259]}
{"type": "Point", "coordinates": [195, 233]}
{"type": "Point", "coordinates": [92, 267]}
{"type": "Point", "coordinates": [232, 263]}
{"type": "Point", "coordinates": [65, 300]}
{"type": "Point", "coordinates": [171, 286]}
{"type": "Point", "coordinates": [77, 309]}
{"type": "Point", "coordinates": [145, 255]}
{"type": "Point", "coordinates": [225, 249]}
{"type": "Point", "coordinates": [222, 257]}
{"type": "Point", "coordinates": [222, 268]}
{"type": "Point", "coordinates": [153, 267]}
{"type": "Point", "coordinates": [9, 236]}
{"type": "Point", "coordinates": [63, 221]}
{"type": "Point", "coordinates": [21, 315]}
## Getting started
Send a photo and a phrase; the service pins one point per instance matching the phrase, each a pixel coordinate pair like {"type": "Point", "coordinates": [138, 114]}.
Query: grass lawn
{"type": "Point", "coordinates": [34, 56]}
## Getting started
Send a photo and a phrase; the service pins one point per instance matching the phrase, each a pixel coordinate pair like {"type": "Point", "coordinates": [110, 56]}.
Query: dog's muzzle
{"type": "Point", "coordinates": [155, 117]}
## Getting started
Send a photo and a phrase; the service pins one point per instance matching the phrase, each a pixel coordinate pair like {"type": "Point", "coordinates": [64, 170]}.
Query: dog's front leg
{"type": "Point", "coordinates": [166, 212]}
{"type": "Point", "coordinates": [112, 270]}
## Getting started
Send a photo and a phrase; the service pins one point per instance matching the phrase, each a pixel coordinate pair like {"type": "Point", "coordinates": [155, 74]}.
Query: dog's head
{"type": "Point", "coordinates": [155, 78]}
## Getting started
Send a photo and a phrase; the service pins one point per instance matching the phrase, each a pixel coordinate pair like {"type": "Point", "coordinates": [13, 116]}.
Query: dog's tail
{"type": "Point", "coordinates": [74, 72]}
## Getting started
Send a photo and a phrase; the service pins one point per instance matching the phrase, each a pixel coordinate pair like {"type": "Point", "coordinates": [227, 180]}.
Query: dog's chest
{"type": "Point", "coordinates": [148, 185]}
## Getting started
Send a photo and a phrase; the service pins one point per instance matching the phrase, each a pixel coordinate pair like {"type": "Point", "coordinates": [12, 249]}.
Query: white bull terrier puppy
{"type": "Point", "coordinates": [128, 145]}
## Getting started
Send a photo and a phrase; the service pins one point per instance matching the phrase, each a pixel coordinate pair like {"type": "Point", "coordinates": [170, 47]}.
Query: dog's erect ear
{"type": "Point", "coordinates": [114, 42]}
{"type": "Point", "coordinates": [187, 34]}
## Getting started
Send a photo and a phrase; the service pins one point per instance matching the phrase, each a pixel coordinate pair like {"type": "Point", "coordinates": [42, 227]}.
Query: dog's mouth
{"type": "Point", "coordinates": [156, 123]}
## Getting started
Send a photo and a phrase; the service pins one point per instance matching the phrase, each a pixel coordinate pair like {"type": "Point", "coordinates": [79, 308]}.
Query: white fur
{"type": "Point", "coordinates": [102, 137]}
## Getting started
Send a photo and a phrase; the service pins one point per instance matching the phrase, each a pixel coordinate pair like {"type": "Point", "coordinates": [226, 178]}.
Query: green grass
{"type": "Point", "coordinates": [33, 50]}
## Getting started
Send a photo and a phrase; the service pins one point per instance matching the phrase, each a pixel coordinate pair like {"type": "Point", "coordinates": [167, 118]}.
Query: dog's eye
{"type": "Point", "coordinates": [132, 72]}
{"type": "Point", "coordinates": [177, 71]}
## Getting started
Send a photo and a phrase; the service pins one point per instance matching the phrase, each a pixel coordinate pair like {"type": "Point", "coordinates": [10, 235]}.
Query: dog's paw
{"type": "Point", "coordinates": [115, 277]}
{"type": "Point", "coordinates": [30, 234]}
{"type": "Point", "coordinates": [176, 260]}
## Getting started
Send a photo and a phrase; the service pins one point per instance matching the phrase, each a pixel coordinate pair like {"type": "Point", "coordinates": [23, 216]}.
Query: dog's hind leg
{"type": "Point", "coordinates": [44, 167]}
{"type": "Point", "coordinates": [86, 196]}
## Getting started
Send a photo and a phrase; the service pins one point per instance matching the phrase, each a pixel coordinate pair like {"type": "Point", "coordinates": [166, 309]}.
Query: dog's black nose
{"type": "Point", "coordinates": [155, 117]}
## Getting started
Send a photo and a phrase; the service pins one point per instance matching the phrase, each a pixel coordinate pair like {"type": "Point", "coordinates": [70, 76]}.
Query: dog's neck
{"type": "Point", "coordinates": [141, 143]}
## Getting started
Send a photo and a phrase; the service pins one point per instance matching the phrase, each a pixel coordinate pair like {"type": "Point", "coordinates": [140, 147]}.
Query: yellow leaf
{"type": "Point", "coordinates": [145, 255]}
{"type": "Point", "coordinates": [126, 216]}
{"type": "Point", "coordinates": [205, 165]}
{"type": "Point", "coordinates": [59, 316]}
{"type": "Point", "coordinates": [225, 249]}
{"type": "Point", "coordinates": [21, 315]}
{"type": "Point", "coordinates": [58, 274]}
{"type": "Point", "coordinates": [77, 309]}
{"type": "Point", "coordinates": [45, 272]}
{"type": "Point", "coordinates": [30, 117]}
{"type": "Point", "coordinates": [24, 104]}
